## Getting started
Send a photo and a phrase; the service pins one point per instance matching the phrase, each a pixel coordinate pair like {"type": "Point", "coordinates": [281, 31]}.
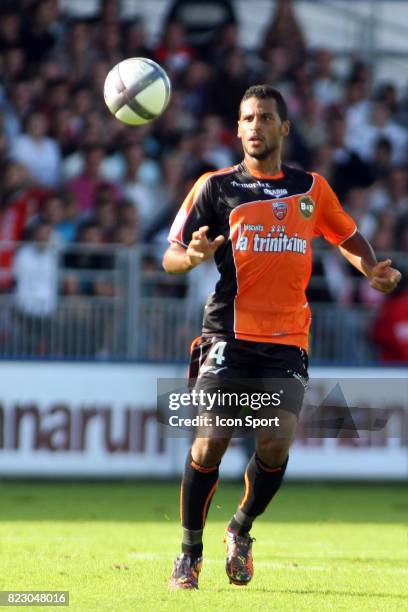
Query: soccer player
{"type": "Point", "coordinates": [257, 219]}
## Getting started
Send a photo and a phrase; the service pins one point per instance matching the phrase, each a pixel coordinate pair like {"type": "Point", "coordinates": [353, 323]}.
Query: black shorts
{"type": "Point", "coordinates": [228, 365]}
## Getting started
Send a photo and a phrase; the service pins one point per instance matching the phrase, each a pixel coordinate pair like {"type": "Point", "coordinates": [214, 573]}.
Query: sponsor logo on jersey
{"type": "Point", "coordinates": [253, 228]}
{"type": "Point", "coordinates": [247, 185]}
{"type": "Point", "coordinates": [306, 206]}
{"type": "Point", "coordinates": [281, 243]}
{"type": "Point", "coordinates": [267, 188]}
{"type": "Point", "coordinates": [276, 193]}
{"type": "Point", "coordinates": [279, 210]}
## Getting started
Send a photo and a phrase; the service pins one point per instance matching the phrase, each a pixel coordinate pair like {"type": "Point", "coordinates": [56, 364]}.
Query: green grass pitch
{"type": "Point", "coordinates": [319, 547]}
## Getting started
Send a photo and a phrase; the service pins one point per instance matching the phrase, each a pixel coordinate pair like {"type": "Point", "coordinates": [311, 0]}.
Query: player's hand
{"type": "Point", "coordinates": [383, 277]}
{"type": "Point", "coordinates": [201, 248]}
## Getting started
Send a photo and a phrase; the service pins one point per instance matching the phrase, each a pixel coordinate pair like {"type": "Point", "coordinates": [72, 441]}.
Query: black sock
{"type": "Point", "coordinates": [261, 484]}
{"type": "Point", "coordinates": [197, 490]}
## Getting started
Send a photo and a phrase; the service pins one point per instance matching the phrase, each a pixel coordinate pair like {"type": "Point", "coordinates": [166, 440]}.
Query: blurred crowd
{"type": "Point", "coordinates": [72, 173]}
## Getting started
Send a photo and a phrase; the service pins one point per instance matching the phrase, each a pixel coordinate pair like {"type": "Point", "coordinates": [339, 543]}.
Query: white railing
{"type": "Point", "coordinates": [146, 317]}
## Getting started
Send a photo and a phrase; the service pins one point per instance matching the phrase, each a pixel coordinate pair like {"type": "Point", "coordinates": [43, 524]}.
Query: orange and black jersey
{"type": "Point", "coordinates": [265, 263]}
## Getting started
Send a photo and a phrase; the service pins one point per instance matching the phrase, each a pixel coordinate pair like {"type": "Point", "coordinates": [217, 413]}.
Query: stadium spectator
{"type": "Point", "coordinates": [81, 104]}
{"type": "Point", "coordinates": [69, 226]}
{"type": "Point", "coordinates": [310, 124]}
{"type": "Point", "coordinates": [322, 161]}
{"type": "Point", "coordinates": [100, 69]}
{"type": "Point", "coordinates": [79, 53]}
{"type": "Point", "coordinates": [202, 22]}
{"type": "Point", "coordinates": [189, 150]}
{"type": "Point", "coordinates": [391, 192]}
{"type": "Point", "coordinates": [173, 52]}
{"type": "Point", "coordinates": [126, 235]}
{"type": "Point", "coordinates": [110, 11]}
{"type": "Point", "coordinates": [13, 65]}
{"type": "Point", "coordinates": [58, 96]}
{"type": "Point", "coordinates": [62, 129]}
{"type": "Point", "coordinates": [127, 215]}
{"type": "Point", "coordinates": [40, 153]}
{"type": "Point", "coordinates": [35, 271]}
{"type": "Point", "coordinates": [86, 185]}
{"type": "Point", "coordinates": [402, 234]}
{"type": "Point", "coordinates": [42, 30]}
{"type": "Point", "coordinates": [4, 148]}
{"type": "Point", "coordinates": [226, 41]}
{"type": "Point", "coordinates": [73, 164]}
{"type": "Point", "coordinates": [19, 205]}
{"type": "Point", "coordinates": [380, 125]}
{"type": "Point", "coordinates": [285, 32]}
{"type": "Point", "coordinates": [53, 213]}
{"type": "Point", "coordinates": [349, 170]}
{"type": "Point", "coordinates": [383, 238]}
{"type": "Point", "coordinates": [10, 29]}
{"type": "Point", "coordinates": [357, 203]}
{"type": "Point", "coordinates": [105, 213]}
{"type": "Point", "coordinates": [18, 103]}
{"type": "Point", "coordinates": [277, 67]}
{"type": "Point", "coordinates": [135, 40]}
{"type": "Point", "coordinates": [390, 328]}
{"type": "Point", "coordinates": [89, 264]}
{"type": "Point", "coordinates": [326, 84]}
{"type": "Point", "coordinates": [197, 85]}
{"type": "Point", "coordinates": [214, 140]}
{"type": "Point", "coordinates": [382, 162]}
{"type": "Point", "coordinates": [110, 39]}
{"type": "Point", "coordinates": [387, 93]}
{"type": "Point", "coordinates": [356, 104]}
{"type": "Point", "coordinates": [175, 121]}
{"type": "Point", "coordinates": [234, 77]}
{"type": "Point", "coordinates": [140, 180]}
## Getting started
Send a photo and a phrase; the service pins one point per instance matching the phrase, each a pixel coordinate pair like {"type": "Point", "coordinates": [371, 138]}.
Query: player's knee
{"type": "Point", "coordinates": [208, 451]}
{"type": "Point", "coordinates": [273, 452]}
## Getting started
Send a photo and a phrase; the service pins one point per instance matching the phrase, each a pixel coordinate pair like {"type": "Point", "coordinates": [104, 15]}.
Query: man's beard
{"type": "Point", "coordinates": [261, 155]}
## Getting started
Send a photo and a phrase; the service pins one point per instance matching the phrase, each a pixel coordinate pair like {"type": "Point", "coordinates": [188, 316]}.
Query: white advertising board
{"type": "Point", "coordinates": [82, 420]}
{"type": "Point", "coordinates": [99, 420]}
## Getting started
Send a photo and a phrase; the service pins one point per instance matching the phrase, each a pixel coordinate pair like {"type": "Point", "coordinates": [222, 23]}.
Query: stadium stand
{"type": "Point", "coordinates": [107, 192]}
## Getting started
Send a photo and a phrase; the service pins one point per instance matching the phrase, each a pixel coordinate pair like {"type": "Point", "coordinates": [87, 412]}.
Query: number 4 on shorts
{"type": "Point", "coordinates": [217, 352]}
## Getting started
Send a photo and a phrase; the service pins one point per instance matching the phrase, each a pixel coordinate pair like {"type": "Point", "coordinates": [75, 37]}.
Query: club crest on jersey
{"type": "Point", "coordinates": [279, 210]}
{"type": "Point", "coordinates": [306, 206]}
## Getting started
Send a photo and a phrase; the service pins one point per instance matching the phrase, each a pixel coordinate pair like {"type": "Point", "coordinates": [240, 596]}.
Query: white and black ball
{"type": "Point", "coordinates": [137, 90]}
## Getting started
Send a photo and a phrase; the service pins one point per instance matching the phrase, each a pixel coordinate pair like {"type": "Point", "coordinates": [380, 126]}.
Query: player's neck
{"type": "Point", "coordinates": [263, 167]}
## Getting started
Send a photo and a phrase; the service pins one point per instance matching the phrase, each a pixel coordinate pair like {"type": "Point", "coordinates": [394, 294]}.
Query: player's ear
{"type": "Point", "coordinates": [238, 129]}
{"type": "Point", "coordinates": [285, 128]}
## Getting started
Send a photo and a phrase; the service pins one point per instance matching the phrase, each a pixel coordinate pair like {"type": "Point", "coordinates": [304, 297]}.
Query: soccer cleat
{"type": "Point", "coordinates": [185, 572]}
{"type": "Point", "coordinates": [239, 564]}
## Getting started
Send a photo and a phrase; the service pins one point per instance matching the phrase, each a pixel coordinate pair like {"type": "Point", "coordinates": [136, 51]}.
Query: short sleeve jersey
{"type": "Point", "coordinates": [265, 263]}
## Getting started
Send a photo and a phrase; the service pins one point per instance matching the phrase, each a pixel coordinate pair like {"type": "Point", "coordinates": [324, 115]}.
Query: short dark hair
{"type": "Point", "coordinates": [267, 91]}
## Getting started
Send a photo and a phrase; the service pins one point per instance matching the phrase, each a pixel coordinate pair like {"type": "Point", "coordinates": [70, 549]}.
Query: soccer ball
{"type": "Point", "coordinates": [137, 90]}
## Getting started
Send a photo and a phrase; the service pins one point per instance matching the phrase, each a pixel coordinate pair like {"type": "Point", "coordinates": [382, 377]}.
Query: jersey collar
{"type": "Point", "coordinates": [261, 175]}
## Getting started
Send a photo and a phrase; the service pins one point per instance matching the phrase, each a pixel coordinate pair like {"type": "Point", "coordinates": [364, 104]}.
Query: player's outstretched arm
{"type": "Point", "coordinates": [359, 252]}
{"type": "Point", "coordinates": [177, 259]}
